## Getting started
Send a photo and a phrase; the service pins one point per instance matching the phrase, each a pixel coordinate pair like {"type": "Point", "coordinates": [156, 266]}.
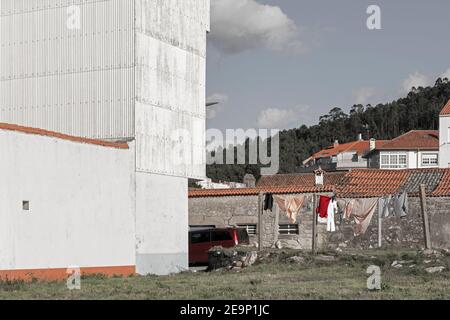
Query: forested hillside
{"type": "Point", "coordinates": [419, 110]}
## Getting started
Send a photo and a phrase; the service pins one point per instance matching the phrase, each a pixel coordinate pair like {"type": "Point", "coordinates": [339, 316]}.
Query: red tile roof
{"type": "Point", "coordinates": [360, 147]}
{"type": "Point", "coordinates": [446, 110]}
{"type": "Point", "coordinates": [443, 189]}
{"type": "Point", "coordinates": [360, 183]}
{"type": "Point", "coordinates": [372, 183]}
{"type": "Point", "coordinates": [413, 140]}
{"type": "Point", "coordinates": [299, 179]}
{"type": "Point", "coordinates": [41, 132]}
{"type": "Point", "coordinates": [206, 193]}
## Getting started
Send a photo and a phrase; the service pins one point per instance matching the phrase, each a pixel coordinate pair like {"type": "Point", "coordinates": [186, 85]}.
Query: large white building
{"type": "Point", "coordinates": [116, 70]}
{"type": "Point", "coordinates": [444, 137]}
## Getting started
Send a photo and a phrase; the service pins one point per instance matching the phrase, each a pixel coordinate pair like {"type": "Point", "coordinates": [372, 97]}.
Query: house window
{"type": "Point", "coordinates": [429, 159]}
{"type": "Point", "coordinates": [288, 229]}
{"type": "Point", "coordinates": [394, 160]}
{"type": "Point", "coordinates": [252, 229]}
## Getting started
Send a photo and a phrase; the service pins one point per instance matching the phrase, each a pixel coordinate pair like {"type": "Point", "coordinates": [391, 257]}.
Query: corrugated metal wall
{"type": "Point", "coordinates": [133, 69]}
{"type": "Point", "coordinates": [79, 82]}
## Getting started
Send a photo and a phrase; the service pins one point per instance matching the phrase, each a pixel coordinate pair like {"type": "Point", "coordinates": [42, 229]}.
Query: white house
{"type": "Point", "coordinates": [412, 150]}
{"type": "Point", "coordinates": [444, 137]}
{"type": "Point", "coordinates": [122, 71]}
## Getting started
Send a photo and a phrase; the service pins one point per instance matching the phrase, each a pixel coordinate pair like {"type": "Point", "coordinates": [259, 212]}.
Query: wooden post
{"type": "Point", "coordinates": [260, 220]}
{"type": "Point", "coordinates": [426, 225]}
{"type": "Point", "coordinates": [380, 225]}
{"type": "Point", "coordinates": [314, 225]}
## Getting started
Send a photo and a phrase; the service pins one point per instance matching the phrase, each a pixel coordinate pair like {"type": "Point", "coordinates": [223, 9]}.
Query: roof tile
{"type": "Point", "coordinates": [446, 110]}
{"type": "Point", "coordinates": [412, 140]}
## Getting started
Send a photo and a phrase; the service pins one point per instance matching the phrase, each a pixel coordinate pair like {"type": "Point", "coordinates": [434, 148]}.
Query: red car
{"type": "Point", "coordinates": [201, 240]}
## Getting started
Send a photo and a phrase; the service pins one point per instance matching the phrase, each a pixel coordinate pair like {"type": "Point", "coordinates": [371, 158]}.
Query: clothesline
{"type": "Point", "coordinates": [360, 209]}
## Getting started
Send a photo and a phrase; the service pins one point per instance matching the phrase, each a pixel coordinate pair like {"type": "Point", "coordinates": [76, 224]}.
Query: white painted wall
{"type": "Point", "coordinates": [161, 224]}
{"type": "Point", "coordinates": [444, 141]}
{"type": "Point", "coordinates": [81, 199]}
{"type": "Point", "coordinates": [170, 86]}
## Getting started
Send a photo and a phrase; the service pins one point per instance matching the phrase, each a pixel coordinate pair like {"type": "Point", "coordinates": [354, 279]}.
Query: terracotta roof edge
{"type": "Point", "coordinates": [62, 136]}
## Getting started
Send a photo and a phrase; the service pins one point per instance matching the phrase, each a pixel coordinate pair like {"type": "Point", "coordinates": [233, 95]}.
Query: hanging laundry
{"type": "Point", "coordinates": [384, 205]}
{"type": "Point", "coordinates": [362, 212]}
{"type": "Point", "coordinates": [322, 209]}
{"type": "Point", "coordinates": [401, 204]}
{"type": "Point", "coordinates": [348, 208]}
{"type": "Point", "coordinates": [268, 202]}
{"type": "Point", "coordinates": [332, 210]}
{"type": "Point", "coordinates": [291, 205]}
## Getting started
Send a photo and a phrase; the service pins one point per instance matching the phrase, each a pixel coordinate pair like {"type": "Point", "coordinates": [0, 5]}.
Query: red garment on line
{"type": "Point", "coordinates": [322, 209]}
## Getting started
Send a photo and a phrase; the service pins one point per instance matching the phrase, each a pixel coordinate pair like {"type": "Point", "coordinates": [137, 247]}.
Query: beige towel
{"type": "Point", "coordinates": [291, 205]}
{"type": "Point", "coordinates": [362, 212]}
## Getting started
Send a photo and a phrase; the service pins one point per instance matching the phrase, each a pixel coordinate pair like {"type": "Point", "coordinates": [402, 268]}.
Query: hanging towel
{"type": "Point", "coordinates": [291, 205]}
{"type": "Point", "coordinates": [401, 204]}
{"type": "Point", "coordinates": [383, 206]}
{"type": "Point", "coordinates": [348, 208]}
{"type": "Point", "coordinates": [322, 209]}
{"type": "Point", "coordinates": [268, 202]}
{"type": "Point", "coordinates": [363, 210]}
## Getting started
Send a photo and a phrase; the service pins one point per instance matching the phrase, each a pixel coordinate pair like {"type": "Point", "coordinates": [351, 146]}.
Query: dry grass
{"type": "Point", "coordinates": [272, 278]}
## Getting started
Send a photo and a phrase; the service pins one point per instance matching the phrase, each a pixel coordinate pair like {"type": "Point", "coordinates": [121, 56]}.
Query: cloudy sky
{"type": "Point", "coordinates": [281, 64]}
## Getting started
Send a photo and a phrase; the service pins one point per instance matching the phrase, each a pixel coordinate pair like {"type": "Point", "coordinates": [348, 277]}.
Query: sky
{"type": "Point", "coordinates": [281, 64]}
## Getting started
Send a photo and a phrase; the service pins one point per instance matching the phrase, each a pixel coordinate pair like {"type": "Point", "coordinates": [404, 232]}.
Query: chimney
{"type": "Point", "coordinates": [319, 177]}
{"type": "Point", "coordinates": [360, 138]}
{"type": "Point", "coordinates": [336, 143]}
{"type": "Point", "coordinates": [372, 144]}
{"type": "Point", "coordinates": [249, 180]}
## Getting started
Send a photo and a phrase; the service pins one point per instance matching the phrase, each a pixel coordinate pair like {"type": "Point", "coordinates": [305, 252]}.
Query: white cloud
{"type": "Point", "coordinates": [363, 95]}
{"type": "Point", "coordinates": [275, 118]}
{"type": "Point", "coordinates": [240, 25]}
{"type": "Point", "coordinates": [416, 80]}
{"type": "Point", "coordinates": [446, 74]}
{"type": "Point", "coordinates": [213, 111]}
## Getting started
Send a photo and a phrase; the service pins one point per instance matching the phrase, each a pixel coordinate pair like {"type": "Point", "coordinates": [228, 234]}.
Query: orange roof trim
{"type": "Point", "coordinates": [207, 193]}
{"type": "Point", "coordinates": [42, 132]}
{"type": "Point", "coordinates": [446, 110]}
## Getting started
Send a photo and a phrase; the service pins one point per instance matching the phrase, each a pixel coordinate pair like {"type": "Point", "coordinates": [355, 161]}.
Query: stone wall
{"type": "Point", "coordinates": [396, 232]}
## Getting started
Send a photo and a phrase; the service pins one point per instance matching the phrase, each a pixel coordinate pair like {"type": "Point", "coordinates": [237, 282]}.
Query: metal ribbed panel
{"type": "Point", "coordinates": [79, 82]}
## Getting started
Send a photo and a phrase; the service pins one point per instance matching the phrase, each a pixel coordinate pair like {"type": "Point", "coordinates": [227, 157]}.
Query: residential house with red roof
{"type": "Point", "coordinates": [343, 157]}
{"type": "Point", "coordinates": [444, 137]}
{"type": "Point", "coordinates": [413, 150]}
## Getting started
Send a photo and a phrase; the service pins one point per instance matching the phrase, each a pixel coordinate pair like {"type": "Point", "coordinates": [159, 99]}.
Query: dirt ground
{"type": "Point", "coordinates": [276, 275]}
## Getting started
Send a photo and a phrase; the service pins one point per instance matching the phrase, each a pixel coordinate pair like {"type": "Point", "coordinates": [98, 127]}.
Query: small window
{"type": "Point", "coordinates": [288, 229]}
{"type": "Point", "coordinates": [252, 229]}
{"type": "Point", "coordinates": [200, 237]}
{"type": "Point", "coordinates": [430, 159]}
{"type": "Point", "coordinates": [26, 205]}
{"type": "Point", "coordinates": [355, 158]}
{"type": "Point", "coordinates": [221, 236]}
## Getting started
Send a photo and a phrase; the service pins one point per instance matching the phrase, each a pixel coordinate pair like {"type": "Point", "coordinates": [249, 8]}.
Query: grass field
{"type": "Point", "coordinates": [274, 276]}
